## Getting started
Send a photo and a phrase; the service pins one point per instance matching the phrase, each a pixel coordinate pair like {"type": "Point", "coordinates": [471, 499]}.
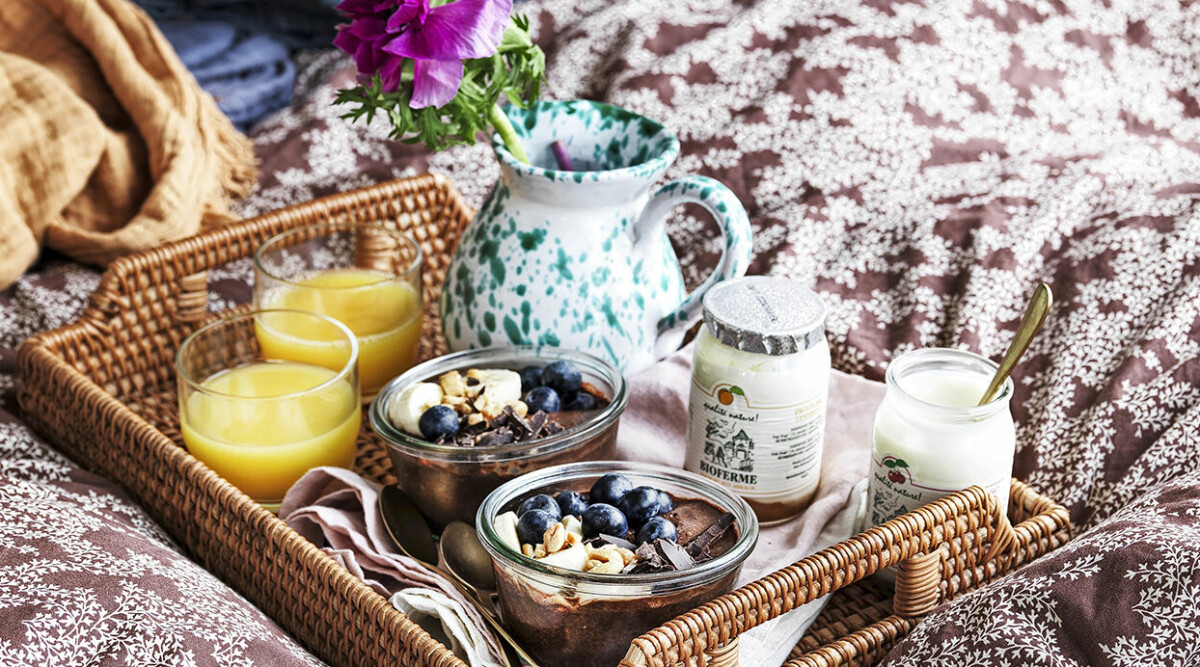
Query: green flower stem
{"type": "Point", "coordinates": [507, 134]}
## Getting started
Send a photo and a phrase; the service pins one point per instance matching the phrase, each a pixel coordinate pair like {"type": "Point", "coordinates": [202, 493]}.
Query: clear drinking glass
{"type": "Point", "coordinates": [262, 414]}
{"type": "Point", "coordinates": [366, 276]}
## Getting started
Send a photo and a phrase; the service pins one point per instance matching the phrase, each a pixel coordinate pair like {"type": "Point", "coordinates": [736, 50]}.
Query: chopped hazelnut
{"type": "Point", "coordinates": [452, 384]}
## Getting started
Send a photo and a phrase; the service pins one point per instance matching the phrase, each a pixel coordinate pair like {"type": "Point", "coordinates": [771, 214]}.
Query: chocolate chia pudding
{"type": "Point", "coordinates": [458, 426]}
{"type": "Point", "coordinates": [581, 598]}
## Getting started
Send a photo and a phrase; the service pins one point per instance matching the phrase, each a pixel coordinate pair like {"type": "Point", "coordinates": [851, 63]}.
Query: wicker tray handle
{"type": "Point", "coordinates": [935, 549]}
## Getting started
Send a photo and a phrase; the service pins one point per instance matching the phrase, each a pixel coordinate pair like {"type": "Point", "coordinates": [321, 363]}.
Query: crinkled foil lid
{"type": "Point", "coordinates": [765, 315]}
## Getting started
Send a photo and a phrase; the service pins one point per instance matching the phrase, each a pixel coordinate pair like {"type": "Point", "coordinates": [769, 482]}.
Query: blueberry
{"type": "Point", "coordinates": [532, 526]}
{"type": "Point", "coordinates": [562, 377]}
{"type": "Point", "coordinates": [657, 528]}
{"type": "Point", "coordinates": [581, 401]}
{"type": "Point", "coordinates": [531, 376]}
{"type": "Point", "coordinates": [571, 502]}
{"type": "Point", "coordinates": [438, 422]}
{"type": "Point", "coordinates": [602, 518]}
{"type": "Point", "coordinates": [544, 399]}
{"type": "Point", "coordinates": [609, 489]}
{"type": "Point", "coordinates": [540, 502]}
{"type": "Point", "coordinates": [640, 505]}
{"type": "Point", "coordinates": [665, 502]}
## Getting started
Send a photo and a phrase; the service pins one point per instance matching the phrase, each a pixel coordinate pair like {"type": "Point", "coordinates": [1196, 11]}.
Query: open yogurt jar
{"type": "Point", "coordinates": [574, 593]}
{"type": "Point", "coordinates": [458, 426]}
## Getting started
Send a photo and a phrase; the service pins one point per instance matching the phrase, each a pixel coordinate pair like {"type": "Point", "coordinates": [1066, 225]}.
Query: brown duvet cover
{"type": "Point", "coordinates": [922, 165]}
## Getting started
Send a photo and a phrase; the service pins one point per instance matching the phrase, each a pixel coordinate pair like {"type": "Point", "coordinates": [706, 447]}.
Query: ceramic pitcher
{"type": "Point", "coordinates": [580, 258]}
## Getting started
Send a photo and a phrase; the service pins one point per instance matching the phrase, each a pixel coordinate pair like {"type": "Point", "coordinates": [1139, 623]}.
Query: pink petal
{"type": "Point", "coordinates": [390, 73]}
{"type": "Point", "coordinates": [361, 39]}
{"type": "Point", "coordinates": [408, 11]}
{"type": "Point", "coordinates": [346, 40]}
{"type": "Point", "coordinates": [435, 82]}
{"type": "Point", "coordinates": [369, 28]}
{"type": "Point", "coordinates": [462, 29]}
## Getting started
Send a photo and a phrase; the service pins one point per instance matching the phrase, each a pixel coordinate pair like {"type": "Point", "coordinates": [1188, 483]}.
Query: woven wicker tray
{"type": "Point", "coordinates": [103, 390]}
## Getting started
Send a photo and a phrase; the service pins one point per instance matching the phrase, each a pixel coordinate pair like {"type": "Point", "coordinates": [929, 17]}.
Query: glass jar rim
{"type": "Point", "coordinates": [324, 229]}
{"type": "Point", "coordinates": [394, 437]}
{"type": "Point", "coordinates": [932, 357]}
{"type": "Point", "coordinates": [198, 386]}
{"type": "Point", "coordinates": [613, 585]}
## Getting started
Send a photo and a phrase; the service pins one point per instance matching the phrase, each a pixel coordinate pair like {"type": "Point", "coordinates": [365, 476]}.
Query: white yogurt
{"type": "Point", "coordinates": [760, 382]}
{"type": "Point", "coordinates": [930, 437]}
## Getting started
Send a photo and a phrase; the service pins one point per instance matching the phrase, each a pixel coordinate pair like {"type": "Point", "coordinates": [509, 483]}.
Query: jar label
{"type": "Point", "coordinates": [894, 489]}
{"type": "Point", "coordinates": [753, 446]}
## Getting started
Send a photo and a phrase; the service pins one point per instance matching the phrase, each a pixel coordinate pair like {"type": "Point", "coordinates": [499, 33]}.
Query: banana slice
{"type": "Point", "coordinates": [406, 408]}
{"type": "Point", "coordinates": [571, 559]}
{"type": "Point", "coordinates": [499, 385]}
{"type": "Point", "coordinates": [506, 527]}
{"type": "Point", "coordinates": [573, 525]}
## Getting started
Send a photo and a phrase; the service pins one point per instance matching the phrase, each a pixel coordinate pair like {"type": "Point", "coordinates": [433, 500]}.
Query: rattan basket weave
{"type": "Point", "coordinates": [103, 390]}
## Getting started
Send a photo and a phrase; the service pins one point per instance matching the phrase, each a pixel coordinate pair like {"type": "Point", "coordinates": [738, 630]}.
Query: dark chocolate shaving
{"type": "Point", "coordinates": [699, 544]}
{"type": "Point", "coordinates": [538, 421]}
{"type": "Point", "coordinates": [507, 427]}
{"type": "Point", "coordinates": [512, 419]}
{"type": "Point", "coordinates": [649, 560]}
{"type": "Point", "coordinates": [500, 436]}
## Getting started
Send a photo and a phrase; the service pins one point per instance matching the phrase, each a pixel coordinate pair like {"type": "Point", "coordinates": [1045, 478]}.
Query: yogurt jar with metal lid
{"type": "Point", "coordinates": [760, 384]}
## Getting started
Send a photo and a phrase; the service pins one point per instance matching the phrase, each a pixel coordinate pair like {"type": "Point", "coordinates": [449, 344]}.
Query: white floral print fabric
{"type": "Point", "coordinates": [921, 164]}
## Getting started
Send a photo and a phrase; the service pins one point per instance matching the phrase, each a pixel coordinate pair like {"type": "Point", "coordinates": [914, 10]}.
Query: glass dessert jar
{"type": "Point", "coordinates": [930, 437]}
{"type": "Point", "coordinates": [447, 482]}
{"type": "Point", "coordinates": [760, 383]}
{"type": "Point", "coordinates": [586, 619]}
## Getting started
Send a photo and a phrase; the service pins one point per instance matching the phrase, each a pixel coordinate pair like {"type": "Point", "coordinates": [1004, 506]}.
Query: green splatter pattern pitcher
{"type": "Point", "coordinates": [581, 259]}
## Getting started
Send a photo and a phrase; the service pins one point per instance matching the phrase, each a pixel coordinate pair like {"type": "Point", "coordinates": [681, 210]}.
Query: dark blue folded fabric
{"type": "Point", "coordinates": [250, 75]}
{"type": "Point", "coordinates": [295, 23]}
{"type": "Point", "coordinates": [197, 42]}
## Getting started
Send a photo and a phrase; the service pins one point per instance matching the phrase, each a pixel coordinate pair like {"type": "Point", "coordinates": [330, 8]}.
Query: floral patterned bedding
{"type": "Point", "coordinates": [922, 165]}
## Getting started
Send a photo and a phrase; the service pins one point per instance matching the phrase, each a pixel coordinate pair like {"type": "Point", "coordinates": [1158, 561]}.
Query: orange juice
{"type": "Point", "coordinates": [383, 312]}
{"type": "Point", "coordinates": [263, 444]}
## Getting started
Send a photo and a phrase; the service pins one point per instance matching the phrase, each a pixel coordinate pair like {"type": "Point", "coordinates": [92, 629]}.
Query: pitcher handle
{"type": "Point", "coordinates": [725, 208]}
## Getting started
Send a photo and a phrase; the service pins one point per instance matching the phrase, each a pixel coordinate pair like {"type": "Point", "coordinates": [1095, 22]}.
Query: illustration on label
{"type": "Point", "coordinates": [725, 394]}
{"type": "Point", "coordinates": [893, 490]}
{"type": "Point", "coordinates": [734, 452]}
{"type": "Point", "coordinates": [753, 446]}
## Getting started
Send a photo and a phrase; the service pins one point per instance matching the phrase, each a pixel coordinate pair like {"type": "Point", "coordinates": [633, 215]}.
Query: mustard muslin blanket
{"type": "Point", "coordinates": [107, 144]}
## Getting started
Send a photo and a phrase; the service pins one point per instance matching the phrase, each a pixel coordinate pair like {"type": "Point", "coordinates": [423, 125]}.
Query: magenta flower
{"type": "Point", "coordinates": [436, 39]}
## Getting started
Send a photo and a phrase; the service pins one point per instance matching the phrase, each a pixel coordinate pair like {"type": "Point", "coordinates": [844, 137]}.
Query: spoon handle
{"type": "Point", "coordinates": [483, 611]}
{"type": "Point", "coordinates": [1035, 315]}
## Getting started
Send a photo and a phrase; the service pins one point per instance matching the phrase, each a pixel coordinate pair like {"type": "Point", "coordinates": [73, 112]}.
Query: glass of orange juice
{"type": "Point", "coordinates": [262, 417]}
{"type": "Point", "coordinates": [366, 276]}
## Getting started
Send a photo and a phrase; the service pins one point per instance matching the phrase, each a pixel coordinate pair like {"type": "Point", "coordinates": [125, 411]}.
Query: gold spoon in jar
{"type": "Point", "coordinates": [1031, 322]}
